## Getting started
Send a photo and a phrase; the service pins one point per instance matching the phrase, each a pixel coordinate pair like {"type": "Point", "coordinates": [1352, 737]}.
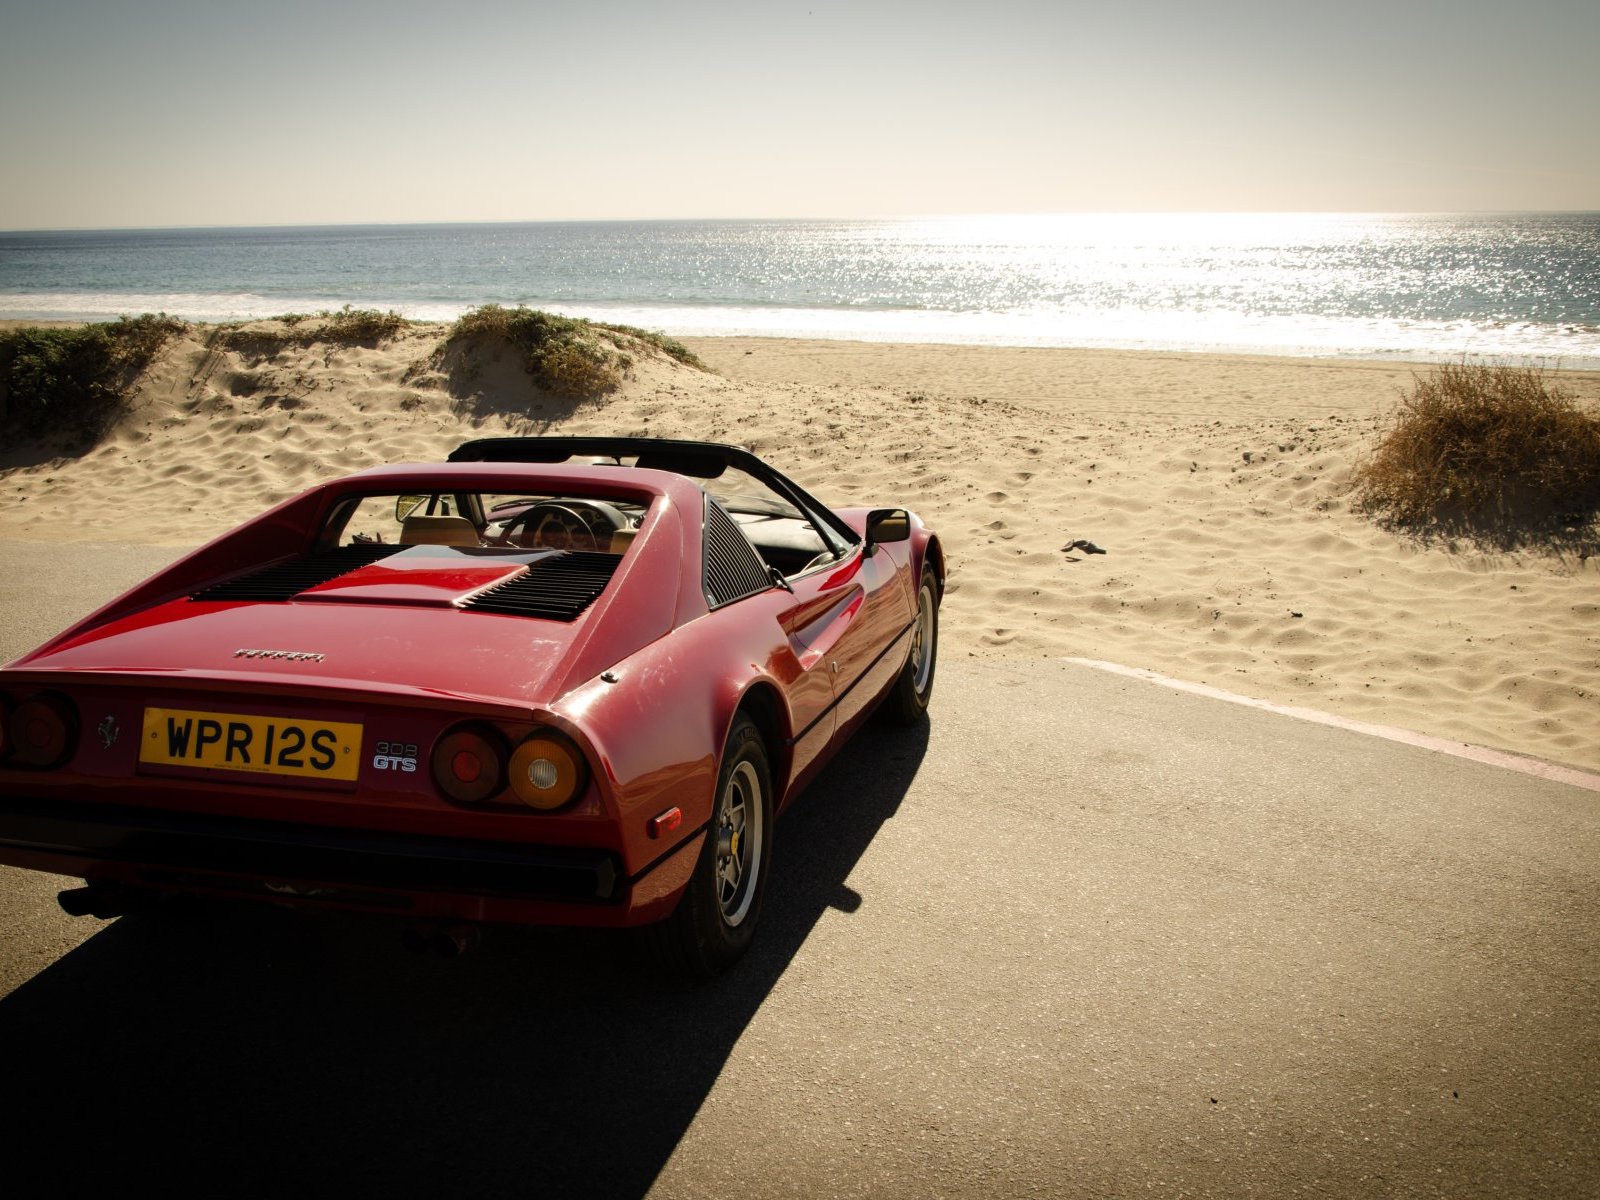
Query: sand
{"type": "Point", "coordinates": [1217, 485]}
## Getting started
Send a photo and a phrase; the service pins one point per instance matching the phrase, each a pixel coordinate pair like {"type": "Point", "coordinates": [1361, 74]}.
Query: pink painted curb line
{"type": "Point", "coordinates": [1482, 754]}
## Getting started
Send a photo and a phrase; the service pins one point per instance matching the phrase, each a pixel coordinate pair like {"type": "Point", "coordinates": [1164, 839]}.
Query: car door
{"type": "Point", "coordinates": [872, 609]}
{"type": "Point", "coordinates": [837, 621]}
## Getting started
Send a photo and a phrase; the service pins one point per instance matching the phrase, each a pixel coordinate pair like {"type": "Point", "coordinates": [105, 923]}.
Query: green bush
{"type": "Point", "coordinates": [566, 355]}
{"type": "Point", "coordinates": [361, 325]}
{"type": "Point", "coordinates": [1484, 446]}
{"type": "Point", "coordinates": [71, 381]}
{"type": "Point", "coordinates": [580, 369]}
{"type": "Point", "coordinates": [562, 353]}
{"type": "Point", "coordinates": [671, 347]}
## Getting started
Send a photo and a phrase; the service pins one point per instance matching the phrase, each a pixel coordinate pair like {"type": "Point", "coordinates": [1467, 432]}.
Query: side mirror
{"type": "Point", "coordinates": [887, 525]}
{"type": "Point", "coordinates": [404, 505]}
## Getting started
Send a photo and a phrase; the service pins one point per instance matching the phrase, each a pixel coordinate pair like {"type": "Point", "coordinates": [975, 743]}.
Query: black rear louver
{"type": "Point", "coordinates": [559, 587]}
{"type": "Point", "coordinates": [285, 580]}
{"type": "Point", "coordinates": [733, 568]}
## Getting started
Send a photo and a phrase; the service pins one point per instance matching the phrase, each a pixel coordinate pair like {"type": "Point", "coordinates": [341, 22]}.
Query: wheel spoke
{"type": "Point", "coordinates": [739, 836]}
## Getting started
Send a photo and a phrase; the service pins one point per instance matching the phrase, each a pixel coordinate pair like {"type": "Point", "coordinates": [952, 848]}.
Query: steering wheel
{"type": "Point", "coordinates": [552, 527]}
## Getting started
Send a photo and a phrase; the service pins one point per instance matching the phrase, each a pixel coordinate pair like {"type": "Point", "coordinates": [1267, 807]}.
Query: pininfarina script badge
{"type": "Point", "coordinates": [280, 655]}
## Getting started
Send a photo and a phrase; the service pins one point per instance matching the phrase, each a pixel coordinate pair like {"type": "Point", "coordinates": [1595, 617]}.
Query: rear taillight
{"type": "Point", "coordinates": [547, 771]}
{"type": "Point", "coordinates": [469, 764]}
{"type": "Point", "coordinates": [474, 764]}
{"type": "Point", "coordinates": [40, 731]}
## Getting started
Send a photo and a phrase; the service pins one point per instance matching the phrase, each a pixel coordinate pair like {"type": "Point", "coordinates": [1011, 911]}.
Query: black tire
{"type": "Point", "coordinates": [715, 920]}
{"type": "Point", "coordinates": [907, 701]}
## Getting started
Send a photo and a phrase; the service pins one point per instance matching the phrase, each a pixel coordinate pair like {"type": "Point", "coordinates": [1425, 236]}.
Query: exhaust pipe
{"type": "Point", "coordinates": [102, 902]}
{"type": "Point", "coordinates": [416, 938]}
{"type": "Point", "coordinates": [452, 941]}
{"type": "Point", "coordinates": [447, 941]}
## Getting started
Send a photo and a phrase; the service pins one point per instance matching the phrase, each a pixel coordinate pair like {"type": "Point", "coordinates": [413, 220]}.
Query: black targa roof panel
{"type": "Point", "coordinates": [694, 460]}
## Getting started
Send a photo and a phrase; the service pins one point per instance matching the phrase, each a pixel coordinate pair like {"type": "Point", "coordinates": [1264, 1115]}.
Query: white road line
{"type": "Point", "coordinates": [1483, 754]}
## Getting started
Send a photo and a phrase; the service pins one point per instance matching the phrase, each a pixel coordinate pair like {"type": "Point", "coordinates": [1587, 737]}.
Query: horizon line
{"type": "Point", "coordinates": [904, 217]}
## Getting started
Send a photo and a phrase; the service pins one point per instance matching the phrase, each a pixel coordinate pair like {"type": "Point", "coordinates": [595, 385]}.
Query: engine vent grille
{"type": "Point", "coordinates": [559, 587]}
{"type": "Point", "coordinates": [733, 568]}
{"type": "Point", "coordinates": [285, 580]}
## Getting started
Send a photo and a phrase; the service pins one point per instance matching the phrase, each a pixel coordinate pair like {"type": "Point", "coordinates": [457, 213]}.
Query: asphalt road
{"type": "Point", "coordinates": [1086, 936]}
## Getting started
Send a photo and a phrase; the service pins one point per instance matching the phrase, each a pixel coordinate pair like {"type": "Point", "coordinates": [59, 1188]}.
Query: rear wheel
{"type": "Point", "coordinates": [715, 920]}
{"type": "Point", "coordinates": [907, 701]}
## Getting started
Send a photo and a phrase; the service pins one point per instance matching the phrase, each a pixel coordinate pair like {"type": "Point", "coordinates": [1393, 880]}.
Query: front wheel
{"type": "Point", "coordinates": [715, 920]}
{"type": "Point", "coordinates": [907, 701]}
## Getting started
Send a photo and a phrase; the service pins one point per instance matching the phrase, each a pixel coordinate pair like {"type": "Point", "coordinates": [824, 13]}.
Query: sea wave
{"type": "Point", "coordinates": [1521, 287]}
{"type": "Point", "coordinates": [1306, 336]}
{"type": "Point", "coordinates": [1216, 331]}
{"type": "Point", "coordinates": [190, 306]}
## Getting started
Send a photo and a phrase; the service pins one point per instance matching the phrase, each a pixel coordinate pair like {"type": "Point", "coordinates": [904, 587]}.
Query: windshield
{"type": "Point", "coordinates": [488, 520]}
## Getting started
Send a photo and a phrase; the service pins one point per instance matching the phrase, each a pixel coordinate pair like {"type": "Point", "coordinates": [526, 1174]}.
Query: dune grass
{"type": "Point", "coordinates": [567, 356]}
{"type": "Point", "coordinates": [341, 327]}
{"type": "Point", "coordinates": [671, 347]}
{"type": "Point", "coordinates": [70, 382]}
{"type": "Point", "coordinates": [1492, 450]}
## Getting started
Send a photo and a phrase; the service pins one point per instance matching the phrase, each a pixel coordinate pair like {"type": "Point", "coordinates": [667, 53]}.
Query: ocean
{"type": "Point", "coordinates": [1520, 287]}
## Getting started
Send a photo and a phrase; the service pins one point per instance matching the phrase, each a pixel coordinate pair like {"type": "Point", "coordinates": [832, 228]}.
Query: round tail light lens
{"type": "Point", "coordinates": [469, 765]}
{"type": "Point", "coordinates": [547, 771]}
{"type": "Point", "coordinates": [41, 731]}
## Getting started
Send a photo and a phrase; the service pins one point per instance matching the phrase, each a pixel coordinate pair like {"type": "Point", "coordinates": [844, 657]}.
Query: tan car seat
{"type": "Point", "coordinates": [421, 530]}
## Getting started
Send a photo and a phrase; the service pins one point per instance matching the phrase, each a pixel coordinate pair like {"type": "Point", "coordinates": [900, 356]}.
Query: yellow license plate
{"type": "Point", "coordinates": [179, 737]}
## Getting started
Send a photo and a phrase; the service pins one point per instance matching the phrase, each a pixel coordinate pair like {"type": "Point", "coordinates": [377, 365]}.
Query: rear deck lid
{"type": "Point", "coordinates": [443, 621]}
{"type": "Point", "coordinates": [551, 584]}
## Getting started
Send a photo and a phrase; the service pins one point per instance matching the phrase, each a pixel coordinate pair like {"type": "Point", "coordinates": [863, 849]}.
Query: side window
{"type": "Point", "coordinates": [372, 521]}
{"type": "Point", "coordinates": [382, 518]}
{"type": "Point", "coordinates": [784, 536]}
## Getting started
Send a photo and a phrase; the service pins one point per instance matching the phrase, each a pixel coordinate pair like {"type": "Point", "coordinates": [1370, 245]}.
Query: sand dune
{"type": "Point", "coordinates": [1216, 485]}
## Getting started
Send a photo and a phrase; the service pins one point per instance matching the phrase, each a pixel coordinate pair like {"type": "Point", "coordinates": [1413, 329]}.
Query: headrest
{"type": "Point", "coordinates": [420, 530]}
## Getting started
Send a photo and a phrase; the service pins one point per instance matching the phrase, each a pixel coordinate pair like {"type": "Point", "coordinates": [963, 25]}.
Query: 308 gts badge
{"type": "Point", "coordinates": [395, 756]}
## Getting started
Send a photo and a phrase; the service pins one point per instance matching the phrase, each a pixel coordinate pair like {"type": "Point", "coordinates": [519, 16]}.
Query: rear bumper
{"type": "Point", "coordinates": [366, 870]}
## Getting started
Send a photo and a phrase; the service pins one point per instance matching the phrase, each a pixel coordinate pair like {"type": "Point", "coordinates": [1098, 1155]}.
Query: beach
{"type": "Point", "coordinates": [1216, 485]}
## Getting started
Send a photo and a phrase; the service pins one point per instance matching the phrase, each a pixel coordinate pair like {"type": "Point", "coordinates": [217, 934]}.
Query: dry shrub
{"type": "Point", "coordinates": [1485, 447]}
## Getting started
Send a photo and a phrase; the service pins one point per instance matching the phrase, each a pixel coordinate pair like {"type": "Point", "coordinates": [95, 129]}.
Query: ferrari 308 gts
{"type": "Point", "coordinates": [551, 681]}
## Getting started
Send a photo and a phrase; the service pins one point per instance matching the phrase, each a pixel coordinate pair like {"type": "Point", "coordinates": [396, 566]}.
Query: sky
{"type": "Point", "coordinates": [159, 113]}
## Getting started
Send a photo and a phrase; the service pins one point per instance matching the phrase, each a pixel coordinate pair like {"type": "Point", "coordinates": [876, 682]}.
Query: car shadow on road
{"type": "Point", "coordinates": [251, 1051]}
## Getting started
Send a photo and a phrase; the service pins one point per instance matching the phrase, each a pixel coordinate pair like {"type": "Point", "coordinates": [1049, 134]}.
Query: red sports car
{"type": "Point", "coordinates": [554, 680]}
